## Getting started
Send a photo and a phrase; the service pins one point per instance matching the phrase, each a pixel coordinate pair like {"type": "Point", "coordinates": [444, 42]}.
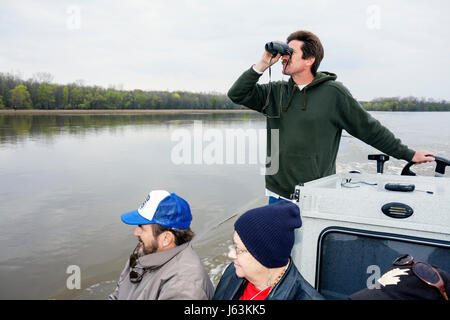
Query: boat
{"type": "Point", "coordinates": [356, 224]}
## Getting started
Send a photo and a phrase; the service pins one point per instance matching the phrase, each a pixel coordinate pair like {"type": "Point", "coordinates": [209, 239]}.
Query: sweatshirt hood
{"type": "Point", "coordinates": [319, 78]}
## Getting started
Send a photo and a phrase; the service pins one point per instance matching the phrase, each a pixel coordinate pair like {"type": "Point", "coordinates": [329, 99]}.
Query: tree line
{"type": "Point", "coordinates": [39, 92]}
{"type": "Point", "coordinates": [406, 104]}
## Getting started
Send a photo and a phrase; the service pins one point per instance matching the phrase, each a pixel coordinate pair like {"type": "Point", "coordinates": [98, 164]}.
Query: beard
{"type": "Point", "coordinates": [149, 248]}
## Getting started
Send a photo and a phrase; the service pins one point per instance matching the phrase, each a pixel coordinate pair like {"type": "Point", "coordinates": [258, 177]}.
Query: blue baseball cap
{"type": "Point", "coordinates": [163, 208]}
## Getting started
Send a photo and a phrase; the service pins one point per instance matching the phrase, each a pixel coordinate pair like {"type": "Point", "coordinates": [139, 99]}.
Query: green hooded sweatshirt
{"type": "Point", "coordinates": [309, 124]}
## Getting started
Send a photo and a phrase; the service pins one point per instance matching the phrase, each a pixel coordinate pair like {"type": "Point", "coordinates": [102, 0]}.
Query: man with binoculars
{"type": "Point", "coordinates": [309, 111]}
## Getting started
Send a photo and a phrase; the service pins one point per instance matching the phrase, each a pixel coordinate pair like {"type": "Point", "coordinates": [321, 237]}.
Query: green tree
{"type": "Point", "coordinates": [45, 96]}
{"type": "Point", "coordinates": [65, 100]}
{"type": "Point", "coordinates": [156, 101]}
{"type": "Point", "coordinates": [112, 99]}
{"type": "Point", "coordinates": [1, 103]}
{"type": "Point", "coordinates": [142, 101]}
{"type": "Point", "coordinates": [77, 97]}
{"type": "Point", "coordinates": [20, 97]}
{"type": "Point", "coordinates": [88, 98]}
{"type": "Point", "coordinates": [395, 106]}
{"type": "Point", "coordinates": [126, 100]}
{"type": "Point", "coordinates": [387, 106]}
{"type": "Point", "coordinates": [98, 101]}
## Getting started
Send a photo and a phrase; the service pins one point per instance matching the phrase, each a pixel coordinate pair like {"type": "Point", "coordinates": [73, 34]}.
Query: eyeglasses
{"type": "Point", "coordinates": [135, 277]}
{"type": "Point", "coordinates": [238, 250]}
{"type": "Point", "coordinates": [424, 272]}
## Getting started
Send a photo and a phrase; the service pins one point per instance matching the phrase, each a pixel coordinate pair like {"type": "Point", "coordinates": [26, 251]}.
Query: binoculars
{"type": "Point", "coordinates": [278, 48]}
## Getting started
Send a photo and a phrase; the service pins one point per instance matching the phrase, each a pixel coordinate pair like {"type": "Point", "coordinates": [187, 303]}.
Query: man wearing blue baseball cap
{"type": "Point", "coordinates": [163, 265]}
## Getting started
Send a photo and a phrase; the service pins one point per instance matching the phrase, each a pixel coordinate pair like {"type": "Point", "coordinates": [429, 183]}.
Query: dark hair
{"type": "Point", "coordinates": [312, 47]}
{"type": "Point", "coordinates": [181, 235]}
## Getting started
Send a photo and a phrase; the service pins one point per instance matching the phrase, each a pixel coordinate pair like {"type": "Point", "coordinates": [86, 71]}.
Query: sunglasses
{"type": "Point", "coordinates": [424, 272]}
{"type": "Point", "coordinates": [135, 277]}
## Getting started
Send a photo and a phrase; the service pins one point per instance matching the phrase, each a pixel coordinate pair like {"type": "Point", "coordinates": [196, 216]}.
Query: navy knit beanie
{"type": "Point", "coordinates": [268, 232]}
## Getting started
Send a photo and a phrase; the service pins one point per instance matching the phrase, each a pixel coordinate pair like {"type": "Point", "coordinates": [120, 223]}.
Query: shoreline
{"type": "Point", "coordinates": [115, 111]}
{"type": "Point", "coordinates": [28, 112]}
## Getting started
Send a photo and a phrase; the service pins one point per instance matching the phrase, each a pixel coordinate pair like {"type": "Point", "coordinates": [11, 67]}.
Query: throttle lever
{"type": "Point", "coordinates": [441, 164]}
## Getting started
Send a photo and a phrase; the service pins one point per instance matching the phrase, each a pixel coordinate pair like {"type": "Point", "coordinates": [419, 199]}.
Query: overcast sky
{"type": "Point", "coordinates": [377, 48]}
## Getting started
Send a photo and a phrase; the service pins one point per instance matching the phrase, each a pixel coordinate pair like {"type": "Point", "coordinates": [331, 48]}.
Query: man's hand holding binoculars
{"type": "Point", "coordinates": [272, 53]}
{"type": "Point", "coordinates": [266, 61]}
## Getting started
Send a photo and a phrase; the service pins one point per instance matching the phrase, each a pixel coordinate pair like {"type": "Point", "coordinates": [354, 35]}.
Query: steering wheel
{"type": "Point", "coordinates": [441, 163]}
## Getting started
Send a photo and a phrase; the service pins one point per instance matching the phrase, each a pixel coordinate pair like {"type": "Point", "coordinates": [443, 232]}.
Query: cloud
{"type": "Point", "coordinates": [377, 48]}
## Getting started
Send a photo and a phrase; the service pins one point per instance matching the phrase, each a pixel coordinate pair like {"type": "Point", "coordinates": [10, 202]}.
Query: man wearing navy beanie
{"type": "Point", "coordinates": [268, 232]}
{"type": "Point", "coordinates": [262, 268]}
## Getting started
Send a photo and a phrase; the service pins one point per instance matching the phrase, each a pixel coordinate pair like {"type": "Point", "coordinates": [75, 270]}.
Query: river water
{"type": "Point", "coordinates": [66, 179]}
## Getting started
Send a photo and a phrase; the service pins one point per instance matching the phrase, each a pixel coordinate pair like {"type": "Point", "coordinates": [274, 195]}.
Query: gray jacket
{"type": "Point", "coordinates": [175, 274]}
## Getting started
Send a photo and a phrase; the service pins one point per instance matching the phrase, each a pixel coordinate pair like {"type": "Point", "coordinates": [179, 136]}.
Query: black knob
{"type": "Point", "coordinates": [381, 159]}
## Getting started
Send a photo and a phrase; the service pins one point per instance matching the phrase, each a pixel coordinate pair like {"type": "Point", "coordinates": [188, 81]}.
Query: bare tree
{"type": "Point", "coordinates": [41, 77]}
{"type": "Point", "coordinates": [80, 83]}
